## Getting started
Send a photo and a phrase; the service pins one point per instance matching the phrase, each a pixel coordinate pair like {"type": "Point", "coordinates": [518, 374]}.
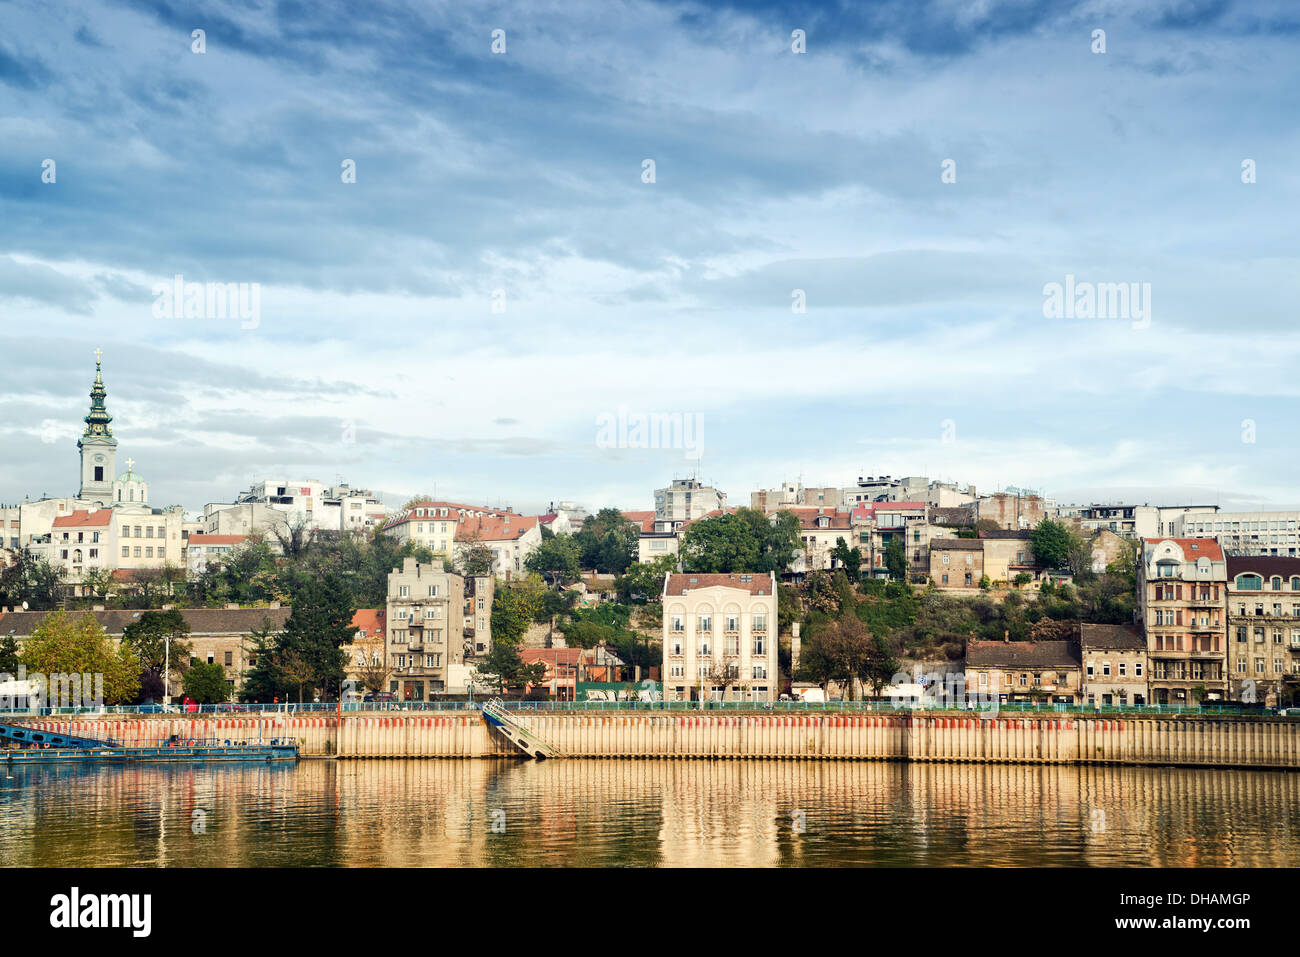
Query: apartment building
{"type": "Point", "coordinates": [1248, 533]}
{"type": "Point", "coordinates": [311, 503]}
{"type": "Point", "coordinates": [425, 637]}
{"type": "Point", "coordinates": [1115, 665]}
{"type": "Point", "coordinates": [510, 538]}
{"type": "Point", "coordinates": [1263, 608]}
{"type": "Point", "coordinates": [1011, 511]}
{"type": "Point", "coordinates": [1136, 521]}
{"type": "Point", "coordinates": [820, 530]}
{"type": "Point", "coordinates": [1181, 590]}
{"type": "Point", "coordinates": [1014, 671]}
{"type": "Point", "coordinates": [687, 499]}
{"type": "Point", "coordinates": [433, 524]}
{"type": "Point", "coordinates": [202, 550]}
{"type": "Point", "coordinates": [720, 637]}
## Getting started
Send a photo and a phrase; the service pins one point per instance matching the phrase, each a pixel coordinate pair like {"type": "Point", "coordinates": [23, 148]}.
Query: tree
{"type": "Point", "coordinates": [206, 683]}
{"type": "Point", "coordinates": [504, 665]}
{"type": "Point", "coordinates": [556, 560]}
{"type": "Point", "coordinates": [723, 674]}
{"type": "Point", "coordinates": [32, 580]}
{"type": "Point", "coordinates": [849, 558]}
{"type": "Point", "coordinates": [149, 636]}
{"type": "Point", "coordinates": [294, 536]}
{"type": "Point", "coordinates": [513, 610]}
{"type": "Point", "coordinates": [471, 557]}
{"type": "Point", "coordinates": [896, 558]}
{"type": "Point", "coordinates": [8, 655]}
{"type": "Point", "coordinates": [1051, 541]}
{"type": "Point", "coordinates": [318, 628]}
{"type": "Point", "coordinates": [372, 666]}
{"type": "Point", "coordinates": [98, 581]}
{"type": "Point", "coordinates": [264, 679]}
{"type": "Point", "coordinates": [646, 578]}
{"type": "Point", "coordinates": [608, 542]}
{"type": "Point", "coordinates": [721, 544]}
{"type": "Point", "coordinates": [64, 645]}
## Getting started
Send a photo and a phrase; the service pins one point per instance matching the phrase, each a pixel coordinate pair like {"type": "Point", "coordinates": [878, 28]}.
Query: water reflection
{"type": "Point", "coordinates": [643, 813]}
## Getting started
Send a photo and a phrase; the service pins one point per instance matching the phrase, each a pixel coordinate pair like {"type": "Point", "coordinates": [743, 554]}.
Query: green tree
{"type": "Point", "coordinates": [62, 644]}
{"type": "Point", "coordinates": [556, 560]}
{"type": "Point", "coordinates": [206, 683]}
{"type": "Point", "coordinates": [32, 580]}
{"type": "Point", "coordinates": [1051, 541]}
{"type": "Point", "coordinates": [319, 625]}
{"type": "Point", "coordinates": [149, 636]}
{"type": "Point", "coordinates": [647, 578]}
{"type": "Point", "coordinates": [896, 558]}
{"type": "Point", "coordinates": [849, 558]}
{"type": "Point", "coordinates": [8, 655]}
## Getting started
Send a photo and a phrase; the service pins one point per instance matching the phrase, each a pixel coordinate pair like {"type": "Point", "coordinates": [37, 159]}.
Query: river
{"type": "Point", "coordinates": [644, 814]}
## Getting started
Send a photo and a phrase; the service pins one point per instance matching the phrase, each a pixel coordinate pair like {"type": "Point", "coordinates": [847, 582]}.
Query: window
{"type": "Point", "coordinates": [1249, 583]}
{"type": "Point", "coordinates": [137, 551]}
{"type": "Point", "coordinates": [705, 622]}
{"type": "Point", "coordinates": [1137, 669]}
{"type": "Point", "coordinates": [403, 591]}
{"type": "Point", "coordinates": [433, 591]}
{"type": "Point", "coordinates": [126, 551]}
{"type": "Point", "coordinates": [760, 621]}
{"type": "Point", "coordinates": [229, 658]}
{"type": "Point", "coordinates": [677, 624]}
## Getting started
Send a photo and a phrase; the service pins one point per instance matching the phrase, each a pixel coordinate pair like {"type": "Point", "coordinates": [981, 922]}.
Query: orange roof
{"type": "Point", "coordinates": [1193, 547]}
{"type": "Point", "coordinates": [494, 528]}
{"type": "Point", "coordinates": [645, 519]}
{"type": "Point", "coordinates": [218, 539]}
{"type": "Point", "coordinates": [552, 656]}
{"type": "Point", "coordinates": [808, 517]}
{"type": "Point", "coordinates": [83, 518]}
{"type": "Point", "coordinates": [370, 622]}
{"type": "Point", "coordinates": [759, 582]}
{"type": "Point", "coordinates": [454, 509]}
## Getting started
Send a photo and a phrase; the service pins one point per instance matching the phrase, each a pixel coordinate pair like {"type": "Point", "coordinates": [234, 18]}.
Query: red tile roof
{"type": "Point", "coordinates": [808, 517]}
{"type": "Point", "coordinates": [454, 510]}
{"type": "Point", "coordinates": [759, 583]}
{"type": "Point", "coordinates": [217, 539]}
{"type": "Point", "coordinates": [1207, 547]}
{"type": "Point", "coordinates": [85, 518]}
{"type": "Point", "coordinates": [645, 519]}
{"type": "Point", "coordinates": [552, 656]}
{"type": "Point", "coordinates": [494, 528]}
{"type": "Point", "coordinates": [370, 622]}
{"type": "Point", "coordinates": [908, 505]}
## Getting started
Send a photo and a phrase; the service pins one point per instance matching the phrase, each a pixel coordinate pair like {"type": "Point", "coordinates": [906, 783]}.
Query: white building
{"type": "Point", "coordinates": [1247, 533]}
{"type": "Point", "coordinates": [687, 499]}
{"type": "Point", "coordinates": [716, 625]}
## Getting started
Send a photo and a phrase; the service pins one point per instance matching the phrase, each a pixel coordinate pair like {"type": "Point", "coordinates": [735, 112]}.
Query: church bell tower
{"type": "Point", "coordinates": [97, 446]}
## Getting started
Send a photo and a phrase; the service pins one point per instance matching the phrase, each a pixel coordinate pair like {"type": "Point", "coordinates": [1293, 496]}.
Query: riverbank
{"type": "Point", "coordinates": [1179, 741]}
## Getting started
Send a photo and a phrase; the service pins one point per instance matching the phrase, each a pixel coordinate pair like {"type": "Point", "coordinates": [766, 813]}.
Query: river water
{"type": "Point", "coordinates": [644, 813]}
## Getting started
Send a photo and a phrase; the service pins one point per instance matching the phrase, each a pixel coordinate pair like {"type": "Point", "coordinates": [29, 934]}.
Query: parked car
{"type": "Point", "coordinates": [380, 697]}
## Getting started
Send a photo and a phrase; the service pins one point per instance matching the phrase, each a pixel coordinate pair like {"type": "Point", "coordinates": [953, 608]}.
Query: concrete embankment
{"type": "Point", "coordinates": [1193, 741]}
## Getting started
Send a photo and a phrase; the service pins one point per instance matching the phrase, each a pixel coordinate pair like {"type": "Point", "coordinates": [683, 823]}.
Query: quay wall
{"type": "Point", "coordinates": [1198, 741]}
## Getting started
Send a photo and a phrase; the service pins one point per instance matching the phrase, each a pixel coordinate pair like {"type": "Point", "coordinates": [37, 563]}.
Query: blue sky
{"type": "Point", "coordinates": [377, 356]}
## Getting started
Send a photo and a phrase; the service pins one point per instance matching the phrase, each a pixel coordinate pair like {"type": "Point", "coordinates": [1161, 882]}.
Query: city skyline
{"type": "Point", "coordinates": [501, 274]}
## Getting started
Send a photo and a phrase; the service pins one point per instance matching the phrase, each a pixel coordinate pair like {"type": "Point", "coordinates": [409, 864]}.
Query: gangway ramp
{"type": "Point", "coordinates": [514, 730]}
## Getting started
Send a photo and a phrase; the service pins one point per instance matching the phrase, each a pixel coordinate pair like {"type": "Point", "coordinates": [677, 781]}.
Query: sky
{"type": "Point", "coordinates": [836, 262]}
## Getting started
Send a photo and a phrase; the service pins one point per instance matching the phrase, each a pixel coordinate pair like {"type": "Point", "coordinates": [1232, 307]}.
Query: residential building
{"type": "Point", "coordinates": [425, 629]}
{"type": "Point", "coordinates": [820, 530]}
{"type": "Point", "coordinates": [562, 668]}
{"type": "Point", "coordinates": [687, 499]}
{"type": "Point", "coordinates": [1007, 554]}
{"type": "Point", "coordinates": [1248, 533]}
{"type": "Point", "coordinates": [1115, 665]}
{"type": "Point", "coordinates": [310, 504]}
{"type": "Point", "coordinates": [720, 637]}
{"type": "Point", "coordinates": [1263, 612]}
{"type": "Point", "coordinates": [1048, 671]}
{"type": "Point", "coordinates": [368, 650]}
{"type": "Point", "coordinates": [433, 524]}
{"type": "Point", "coordinates": [1011, 511]}
{"type": "Point", "coordinates": [217, 635]}
{"type": "Point", "coordinates": [1181, 590]}
{"type": "Point", "coordinates": [1135, 521]}
{"type": "Point", "coordinates": [200, 550]}
{"type": "Point", "coordinates": [510, 538]}
{"type": "Point", "coordinates": [957, 562]}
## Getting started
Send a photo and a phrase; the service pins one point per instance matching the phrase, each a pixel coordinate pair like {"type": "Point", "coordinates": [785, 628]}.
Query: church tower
{"type": "Point", "coordinates": [97, 445]}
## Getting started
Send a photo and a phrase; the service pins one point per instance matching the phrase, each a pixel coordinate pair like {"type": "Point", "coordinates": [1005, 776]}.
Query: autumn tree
{"type": "Point", "coordinates": [65, 645]}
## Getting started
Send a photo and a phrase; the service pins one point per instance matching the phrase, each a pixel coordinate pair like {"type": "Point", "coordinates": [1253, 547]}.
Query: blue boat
{"type": "Point", "coordinates": [49, 747]}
